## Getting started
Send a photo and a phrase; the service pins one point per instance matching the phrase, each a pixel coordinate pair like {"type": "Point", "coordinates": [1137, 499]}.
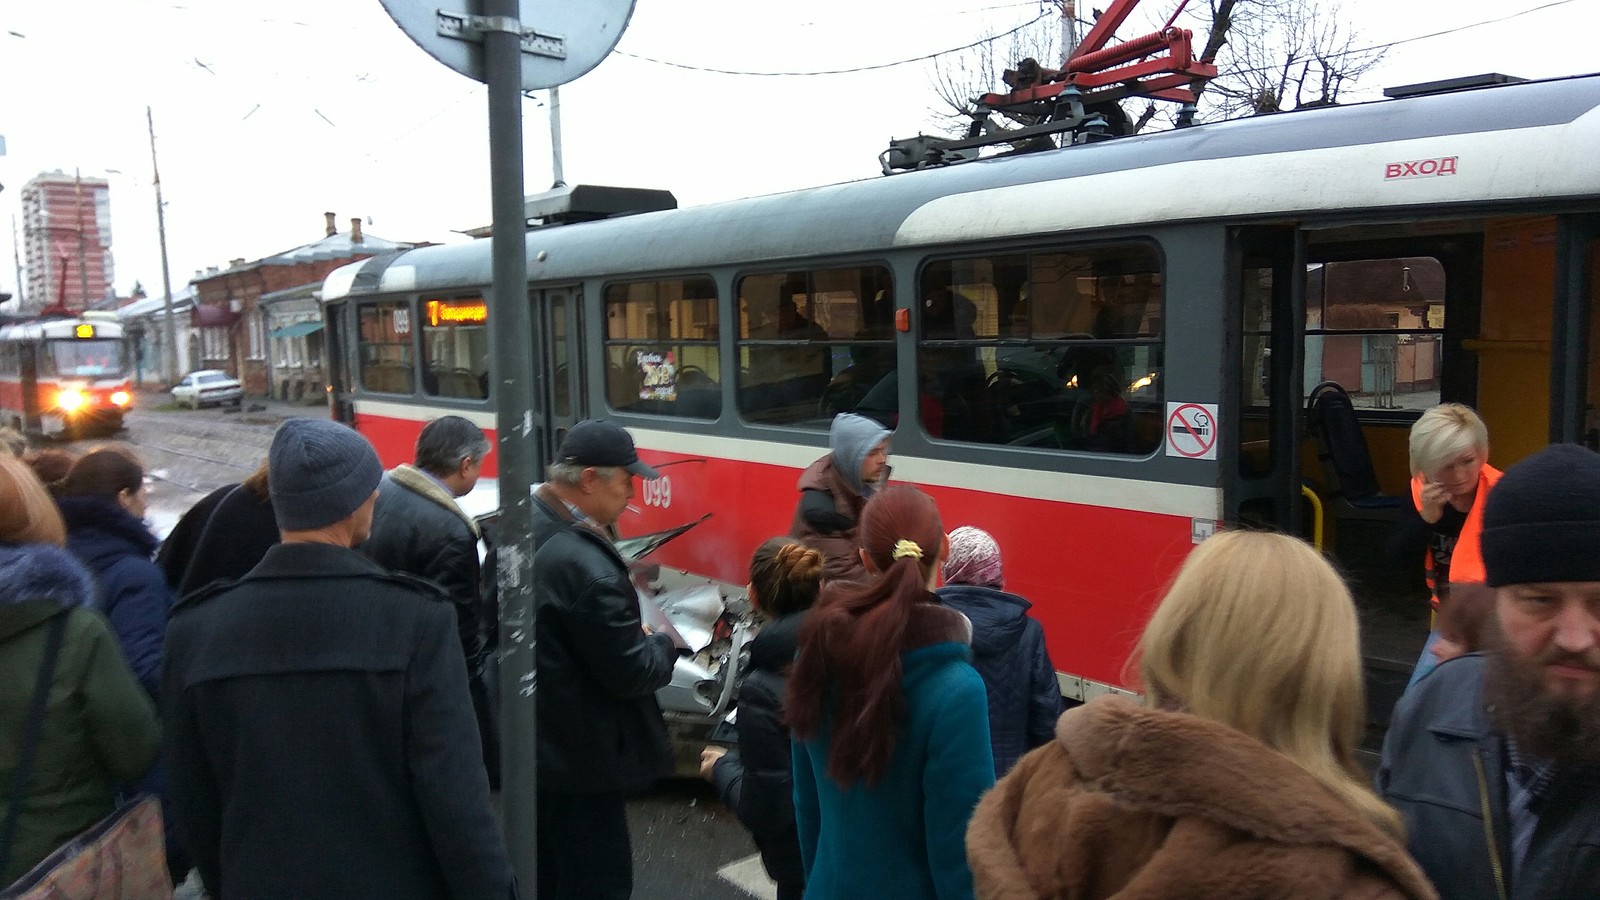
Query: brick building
{"type": "Point", "coordinates": [66, 223]}
{"type": "Point", "coordinates": [237, 331]}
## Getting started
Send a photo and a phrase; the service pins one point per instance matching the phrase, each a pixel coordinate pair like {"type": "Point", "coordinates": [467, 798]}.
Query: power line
{"type": "Point", "coordinates": [1357, 51]}
{"type": "Point", "coordinates": [868, 68]}
{"type": "Point", "coordinates": [1447, 31]}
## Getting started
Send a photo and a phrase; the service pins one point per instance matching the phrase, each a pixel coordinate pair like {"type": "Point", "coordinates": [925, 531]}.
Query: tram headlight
{"type": "Point", "coordinates": [120, 398]}
{"type": "Point", "coordinates": [71, 400]}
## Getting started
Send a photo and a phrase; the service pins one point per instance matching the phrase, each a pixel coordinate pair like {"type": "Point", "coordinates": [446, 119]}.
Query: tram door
{"type": "Point", "coordinates": [559, 364]}
{"type": "Point", "coordinates": [340, 404]}
{"type": "Point", "coordinates": [1261, 488]}
{"type": "Point", "coordinates": [28, 367]}
{"type": "Point", "coordinates": [1575, 344]}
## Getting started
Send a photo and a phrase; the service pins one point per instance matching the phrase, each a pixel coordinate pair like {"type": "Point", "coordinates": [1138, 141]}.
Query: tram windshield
{"type": "Point", "coordinates": [95, 357]}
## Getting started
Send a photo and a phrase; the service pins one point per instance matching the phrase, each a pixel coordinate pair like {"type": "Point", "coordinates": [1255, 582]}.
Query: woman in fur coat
{"type": "Point", "coordinates": [890, 720]}
{"type": "Point", "coordinates": [1235, 778]}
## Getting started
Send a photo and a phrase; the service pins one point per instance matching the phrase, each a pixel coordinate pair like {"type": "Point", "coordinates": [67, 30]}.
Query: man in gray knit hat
{"type": "Point", "coordinates": [317, 717]}
{"type": "Point", "coordinates": [1494, 759]}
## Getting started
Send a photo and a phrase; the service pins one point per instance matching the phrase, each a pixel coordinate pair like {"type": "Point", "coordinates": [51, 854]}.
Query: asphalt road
{"type": "Point", "coordinates": [686, 844]}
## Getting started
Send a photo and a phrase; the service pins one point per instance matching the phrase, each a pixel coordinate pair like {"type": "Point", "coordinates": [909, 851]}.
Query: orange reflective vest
{"type": "Point", "coordinates": [1466, 558]}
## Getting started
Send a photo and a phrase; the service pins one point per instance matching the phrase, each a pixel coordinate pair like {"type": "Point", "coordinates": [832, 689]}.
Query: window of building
{"type": "Point", "coordinates": [455, 347]}
{"type": "Point", "coordinates": [215, 343]}
{"type": "Point", "coordinates": [1056, 349]}
{"type": "Point", "coordinates": [661, 348]}
{"type": "Point", "coordinates": [1376, 326]}
{"type": "Point", "coordinates": [813, 343]}
{"type": "Point", "coordinates": [384, 347]}
{"type": "Point", "coordinates": [258, 338]}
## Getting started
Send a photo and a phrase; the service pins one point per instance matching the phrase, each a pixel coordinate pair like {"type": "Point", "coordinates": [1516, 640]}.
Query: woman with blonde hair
{"type": "Point", "coordinates": [889, 718]}
{"type": "Point", "coordinates": [1450, 482]}
{"type": "Point", "coordinates": [96, 727]}
{"type": "Point", "coordinates": [1235, 778]}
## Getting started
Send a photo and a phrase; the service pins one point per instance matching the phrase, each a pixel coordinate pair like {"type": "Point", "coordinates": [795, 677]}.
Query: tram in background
{"type": "Point", "coordinates": [1099, 353]}
{"type": "Point", "coordinates": [65, 375]}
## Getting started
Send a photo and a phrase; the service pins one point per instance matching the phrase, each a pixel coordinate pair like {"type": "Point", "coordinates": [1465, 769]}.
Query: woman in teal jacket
{"type": "Point", "coordinates": [890, 719]}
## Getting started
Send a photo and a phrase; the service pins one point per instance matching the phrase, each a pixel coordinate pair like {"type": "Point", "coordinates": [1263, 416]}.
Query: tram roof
{"type": "Point", "coordinates": [1195, 173]}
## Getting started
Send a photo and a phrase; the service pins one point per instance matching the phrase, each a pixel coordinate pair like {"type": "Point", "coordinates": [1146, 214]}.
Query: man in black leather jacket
{"type": "Point", "coordinates": [418, 529]}
{"type": "Point", "coordinates": [600, 731]}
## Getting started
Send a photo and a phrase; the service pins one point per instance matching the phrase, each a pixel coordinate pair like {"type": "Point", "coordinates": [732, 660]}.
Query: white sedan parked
{"type": "Point", "coordinates": [207, 387]}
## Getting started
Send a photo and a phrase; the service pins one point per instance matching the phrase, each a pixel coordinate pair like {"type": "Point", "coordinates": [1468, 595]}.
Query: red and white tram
{"type": "Point", "coordinates": [1099, 354]}
{"type": "Point", "coordinates": [65, 375]}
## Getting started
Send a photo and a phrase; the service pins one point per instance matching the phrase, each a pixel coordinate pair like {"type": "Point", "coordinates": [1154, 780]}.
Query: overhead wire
{"type": "Point", "coordinates": [853, 69]}
{"type": "Point", "coordinates": [1049, 12]}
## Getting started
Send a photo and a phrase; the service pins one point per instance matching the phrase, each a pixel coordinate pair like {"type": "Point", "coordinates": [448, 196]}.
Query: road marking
{"type": "Point", "coordinates": [750, 876]}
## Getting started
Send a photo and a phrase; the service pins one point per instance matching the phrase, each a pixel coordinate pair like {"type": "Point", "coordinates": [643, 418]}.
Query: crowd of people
{"type": "Point", "coordinates": [321, 696]}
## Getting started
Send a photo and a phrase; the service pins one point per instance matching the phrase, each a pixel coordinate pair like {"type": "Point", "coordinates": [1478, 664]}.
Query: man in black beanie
{"type": "Point", "coordinates": [1494, 759]}
{"type": "Point", "coordinates": [317, 718]}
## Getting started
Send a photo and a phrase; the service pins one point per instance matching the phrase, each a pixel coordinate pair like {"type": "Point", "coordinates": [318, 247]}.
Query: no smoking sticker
{"type": "Point", "coordinates": [1192, 430]}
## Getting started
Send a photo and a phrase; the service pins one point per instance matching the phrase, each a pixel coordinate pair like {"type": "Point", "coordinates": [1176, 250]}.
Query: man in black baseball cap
{"type": "Point", "coordinates": [600, 731]}
{"type": "Point", "coordinates": [596, 442]}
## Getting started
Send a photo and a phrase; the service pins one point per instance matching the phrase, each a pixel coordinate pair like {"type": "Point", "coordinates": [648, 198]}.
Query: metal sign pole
{"type": "Point", "coordinates": [514, 339]}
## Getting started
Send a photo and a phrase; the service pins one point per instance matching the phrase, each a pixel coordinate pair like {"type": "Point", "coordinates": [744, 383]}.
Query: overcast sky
{"type": "Point", "coordinates": [269, 114]}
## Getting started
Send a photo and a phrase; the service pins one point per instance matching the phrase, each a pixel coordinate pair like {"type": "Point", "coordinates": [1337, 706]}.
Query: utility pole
{"type": "Point", "coordinates": [16, 259]}
{"type": "Point", "coordinates": [83, 264]}
{"type": "Point", "coordinates": [1069, 30]}
{"type": "Point", "coordinates": [169, 337]}
{"type": "Point", "coordinates": [522, 434]}
{"type": "Point", "coordinates": [555, 137]}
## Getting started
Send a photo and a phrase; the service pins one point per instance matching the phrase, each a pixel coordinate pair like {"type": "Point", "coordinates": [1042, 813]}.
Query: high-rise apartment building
{"type": "Point", "coordinates": [66, 226]}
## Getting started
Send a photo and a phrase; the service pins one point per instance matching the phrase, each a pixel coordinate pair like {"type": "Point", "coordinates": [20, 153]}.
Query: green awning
{"type": "Point", "coordinates": [298, 329]}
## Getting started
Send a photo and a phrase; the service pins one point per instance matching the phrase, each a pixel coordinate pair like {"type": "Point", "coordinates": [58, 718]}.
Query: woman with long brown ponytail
{"type": "Point", "coordinates": [890, 720]}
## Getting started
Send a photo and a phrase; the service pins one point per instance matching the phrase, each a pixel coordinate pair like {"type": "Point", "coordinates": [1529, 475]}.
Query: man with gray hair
{"type": "Point", "coordinates": [316, 710]}
{"type": "Point", "coordinates": [600, 731]}
{"type": "Point", "coordinates": [418, 529]}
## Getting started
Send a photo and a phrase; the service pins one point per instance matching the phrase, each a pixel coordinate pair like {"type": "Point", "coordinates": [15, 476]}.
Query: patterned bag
{"type": "Point", "coordinates": [123, 857]}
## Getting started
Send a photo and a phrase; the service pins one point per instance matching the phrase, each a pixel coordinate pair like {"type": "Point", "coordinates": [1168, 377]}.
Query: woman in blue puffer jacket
{"type": "Point", "coordinates": [1007, 648]}
{"type": "Point", "coordinates": [103, 504]}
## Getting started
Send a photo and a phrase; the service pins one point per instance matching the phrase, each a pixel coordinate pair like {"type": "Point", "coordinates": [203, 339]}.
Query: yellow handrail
{"type": "Point", "coordinates": [1316, 511]}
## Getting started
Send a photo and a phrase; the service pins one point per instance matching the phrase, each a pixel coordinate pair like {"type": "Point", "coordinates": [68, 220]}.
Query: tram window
{"type": "Point", "coordinates": [1376, 326]}
{"type": "Point", "coordinates": [1059, 350]}
{"type": "Point", "coordinates": [87, 358]}
{"type": "Point", "coordinates": [661, 348]}
{"type": "Point", "coordinates": [385, 347]}
{"type": "Point", "coordinates": [455, 347]}
{"type": "Point", "coordinates": [813, 343]}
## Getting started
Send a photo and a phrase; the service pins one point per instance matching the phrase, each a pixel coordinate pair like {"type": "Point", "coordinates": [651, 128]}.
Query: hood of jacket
{"type": "Point", "coordinates": [100, 531]}
{"type": "Point", "coordinates": [1113, 754]}
{"type": "Point", "coordinates": [35, 581]}
{"type": "Point", "coordinates": [997, 617]}
{"type": "Point", "coordinates": [426, 486]}
{"type": "Point", "coordinates": [776, 644]}
{"type": "Point", "coordinates": [850, 439]}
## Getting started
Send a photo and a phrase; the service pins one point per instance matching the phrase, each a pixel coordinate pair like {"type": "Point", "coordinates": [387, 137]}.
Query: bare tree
{"type": "Point", "coordinates": [959, 79]}
{"type": "Point", "coordinates": [1270, 54]}
{"type": "Point", "coordinates": [1273, 55]}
